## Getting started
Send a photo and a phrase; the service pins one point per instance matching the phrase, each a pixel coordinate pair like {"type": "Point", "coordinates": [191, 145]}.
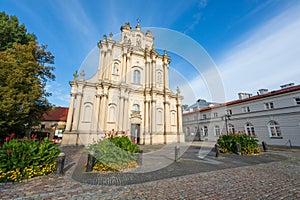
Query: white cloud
{"type": "Point", "coordinates": [268, 58]}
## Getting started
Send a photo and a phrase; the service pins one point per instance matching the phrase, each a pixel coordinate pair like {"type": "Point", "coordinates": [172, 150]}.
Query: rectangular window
{"type": "Point", "coordinates": [217, 131]}
{"type": "Point", "coordinates": [297, 101]}
{"type": "Point", "coordinates": [204, 116]}
{"type": "Point", "coordinates": [229, 112]}
{"type": "Point", "coordinates": [215, 114]}
{"type": "Point", "coordinates": [269, 105]}
{"type": "Point", "coordinates": [246, 109]}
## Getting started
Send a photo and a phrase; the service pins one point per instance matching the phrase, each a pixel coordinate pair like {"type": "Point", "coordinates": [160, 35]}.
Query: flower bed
{"type": "Point", "coordinates": [27, 158]}
{"type": "Point", "coordinates": [114, 153]}
{"type": "Point", "coordinates": [247, 143]}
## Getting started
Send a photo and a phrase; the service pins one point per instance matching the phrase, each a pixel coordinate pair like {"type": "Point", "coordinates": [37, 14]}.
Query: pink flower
{"type": "Point", "coordinates": [12, 135]}
{"type": "Point", "coordinates": [7, 139]}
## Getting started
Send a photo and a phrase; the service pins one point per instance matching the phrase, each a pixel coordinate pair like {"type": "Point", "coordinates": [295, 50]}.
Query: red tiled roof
{"type": "Point", "coordinates": [273, 93]}
{"type": "Point", "coordinates": [56, 114]}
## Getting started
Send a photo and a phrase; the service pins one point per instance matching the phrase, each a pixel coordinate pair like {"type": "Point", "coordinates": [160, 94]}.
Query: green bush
{"type": "Point", "coordinates": [114, 153]}
{"type": "Point", "coordinates": [227, 143]}
{"type": "Point", "coordinates": [26, 158]}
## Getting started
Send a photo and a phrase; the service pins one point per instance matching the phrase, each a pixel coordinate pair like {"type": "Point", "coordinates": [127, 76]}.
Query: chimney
{"type": "Point", "coordinates": [244, 95]}
{"type": "Point", "coordinates": [262, 91]}
{"type": "Point", "coordinates": [287, 85]}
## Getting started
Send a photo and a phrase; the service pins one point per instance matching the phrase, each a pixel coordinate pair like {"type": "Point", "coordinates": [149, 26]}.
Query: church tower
{"type": "Point", "coordinates": [129, 93]}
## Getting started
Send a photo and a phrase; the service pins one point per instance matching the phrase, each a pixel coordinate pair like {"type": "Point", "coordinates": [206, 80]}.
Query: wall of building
{"type": "Point", "coordinates": [284, 111]}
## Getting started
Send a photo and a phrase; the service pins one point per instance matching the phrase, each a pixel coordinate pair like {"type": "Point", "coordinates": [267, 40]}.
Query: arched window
{"type": "Point", "coordinates": [136, 107]}
{"type": "Point", "coordinates": [249, 129]}
{"type": "Point", "coordinates": [136, 76]}
{"type": "Point", "coordinates": [87, 113]}
{"type": "Point", "coordinates": [116, 68]}
{"type": "Point", "coordinates": [173, 118]}
{"type": "Point", "coordinates": [159, 77]}
{"type": "Point", "coordinates": [205, 131]}
{"type": "Point", "coordinates": [112, 114]}
{"type": "Point", "coordinates": [217, 131]}
{"type": "Point", "coordinates": [159, 116]}
{"type": "Point", "coordinates": [231, 128]}
{"type": "Point", "coordinates": [274, 129]}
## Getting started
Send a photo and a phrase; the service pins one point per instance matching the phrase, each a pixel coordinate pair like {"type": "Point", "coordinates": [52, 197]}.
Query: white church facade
{"type": "Point", "coordinates": [129, 93]}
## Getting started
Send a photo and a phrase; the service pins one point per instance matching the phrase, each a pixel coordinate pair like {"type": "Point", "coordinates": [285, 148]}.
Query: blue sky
{"type": "Point", "coordinates": [254, 44]}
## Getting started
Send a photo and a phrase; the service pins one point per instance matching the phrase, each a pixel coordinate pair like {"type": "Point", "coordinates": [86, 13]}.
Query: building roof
{"type": "Point", "coordinates": [259, 96]}
{"type": "Point", "coordinates": [56, 114]}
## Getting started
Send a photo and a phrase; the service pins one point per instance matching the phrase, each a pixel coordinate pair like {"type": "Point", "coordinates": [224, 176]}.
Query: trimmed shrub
{"type": "Point", "coordinates": [27, 158]}
{"type": "Point", "coordinates": [249, 144]}
{"type": "Point", "coordinates": [114, 153]}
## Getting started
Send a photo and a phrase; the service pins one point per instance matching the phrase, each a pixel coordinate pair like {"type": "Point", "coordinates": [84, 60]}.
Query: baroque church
{"type": "Point", "coordinates": [129, 94]}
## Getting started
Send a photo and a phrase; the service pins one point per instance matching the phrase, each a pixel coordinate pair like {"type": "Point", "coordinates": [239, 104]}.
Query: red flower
{"type": "Point", "coordinates": [33, 136]}
{"type": "Point", "coordinates": [7, 139]}
{"type": "Point", "coordinates": [12, 135]}
{"type": "Point", "coordinates": [8, 151]}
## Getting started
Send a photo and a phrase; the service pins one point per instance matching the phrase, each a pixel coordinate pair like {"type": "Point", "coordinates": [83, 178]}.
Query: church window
{"type": "Point", "coordinates": [136, 107]}
{"type": "Point", "coordinates": [136, 76]}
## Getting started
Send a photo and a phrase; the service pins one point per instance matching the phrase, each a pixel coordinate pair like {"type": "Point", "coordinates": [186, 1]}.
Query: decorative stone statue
{"type": "Point", "coordinates": [75, 75]}
{"type": "Point", "coordinates": [82, 74]}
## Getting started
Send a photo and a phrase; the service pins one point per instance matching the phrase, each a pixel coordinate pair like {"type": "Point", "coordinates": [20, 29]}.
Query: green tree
{"type": "Point", "coordinates": [25, 68]}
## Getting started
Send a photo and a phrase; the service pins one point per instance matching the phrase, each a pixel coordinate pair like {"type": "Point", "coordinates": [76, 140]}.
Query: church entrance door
{"type": "Point", "coordinates": [135, 133]}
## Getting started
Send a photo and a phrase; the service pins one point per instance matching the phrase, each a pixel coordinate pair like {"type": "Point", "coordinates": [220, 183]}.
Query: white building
{"type": "Point", "coordinates": [273, 117]}
{"type": "Point", "coordinates": [129, 93]}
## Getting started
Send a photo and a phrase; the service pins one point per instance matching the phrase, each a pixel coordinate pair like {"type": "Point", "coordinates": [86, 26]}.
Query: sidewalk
{"type": "Point", "coordinates": [272, 175]}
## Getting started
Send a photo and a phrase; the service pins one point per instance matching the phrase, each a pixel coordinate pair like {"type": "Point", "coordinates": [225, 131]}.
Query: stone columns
{"type": "Point", "coordinates": [101, 64]}
{"type": "Point", "coordinates": [121, 110]}
{"type": "Point", "coordinates": [126, 114]}
{"type": "Point", "coordinates": [166, 76]}
{"type": "Point", "coordinates": [179, 122]}
{"type": "Point", "coordinates": [153, 74]}
{"type": "Point", "coordinates": [77, 112]}
{"type": "Point", "coordinates": [70, 113]}
{"type": "Point", "coordinates": [123, 67]}
{"type": "Point", "coordinates": [96, 114]}
{"type": "Point", "coordinates": [153, 119]}
{"type": "Point", "coordinates": [127, 68]}
{"type": "Point", "coordinates": [166, 120]}
{"type": "Point", "coordinates": [146, 121]}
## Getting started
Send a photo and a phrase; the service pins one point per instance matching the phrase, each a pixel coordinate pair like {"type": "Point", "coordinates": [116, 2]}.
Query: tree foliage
{"type": "Point", "coordinates": [25, 68]}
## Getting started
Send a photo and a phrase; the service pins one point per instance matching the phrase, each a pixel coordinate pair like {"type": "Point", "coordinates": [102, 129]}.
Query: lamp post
{"type": "Point", "coordinates": [227, 117]}
{"type": "Point", "coordinates": [198, 123]}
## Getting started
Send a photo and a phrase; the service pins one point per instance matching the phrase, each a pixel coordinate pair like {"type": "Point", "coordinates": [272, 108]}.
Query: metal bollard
{"type": "Point", "coordinates": [60, 163]}
{"type": "Point", "coordinates": [264, 145]}
{"type": "Point", "coordinates": [140, 158]}
{"type": "Point", "coordinates": [217, 149]}
{"type": "Point", "coordinates": [177, 153]}
{"type": "Point", "coordinates": [238, 148]}
{"type": "Point", "coordinates": [90, 163]}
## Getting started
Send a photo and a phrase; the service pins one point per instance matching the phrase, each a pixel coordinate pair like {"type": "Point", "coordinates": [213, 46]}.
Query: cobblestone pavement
{"type": "Point", "coordinates": [277, 179]}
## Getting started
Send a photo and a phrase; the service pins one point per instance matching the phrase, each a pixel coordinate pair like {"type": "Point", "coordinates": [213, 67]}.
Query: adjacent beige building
{"type": "Point", "coordinates": [129, 93]}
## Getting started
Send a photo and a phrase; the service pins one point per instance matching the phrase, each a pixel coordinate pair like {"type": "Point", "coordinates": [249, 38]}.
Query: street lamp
{"type": "Point", "coordinates": [227, 117]}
